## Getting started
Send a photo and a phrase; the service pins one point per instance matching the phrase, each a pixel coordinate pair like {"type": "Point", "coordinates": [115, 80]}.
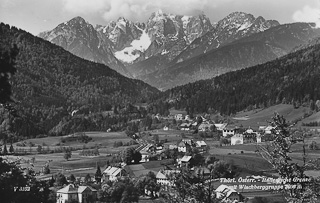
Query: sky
{"type": "Point", "coordinates": [36, 16]}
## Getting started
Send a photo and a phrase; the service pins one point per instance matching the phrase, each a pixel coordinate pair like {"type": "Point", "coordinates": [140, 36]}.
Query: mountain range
{"type": "Point", "coordinates": [51, 82]}
{"type": "Point", "coordinates": [170, 50]}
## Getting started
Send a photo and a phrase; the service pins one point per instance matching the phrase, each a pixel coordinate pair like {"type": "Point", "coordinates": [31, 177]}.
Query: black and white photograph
{"type": "Point", "coordinates": [159, 101]}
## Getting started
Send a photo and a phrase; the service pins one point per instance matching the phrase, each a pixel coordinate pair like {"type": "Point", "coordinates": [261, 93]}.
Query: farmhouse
{"type": "Point", "coordinates": [184, 144]}
{"type": "Point", "coordinates": [182, 147]}
{"type": "Point", "coordinates": [163, 177]}
{"type": "Point", "coordinates": [227, 193]}
{"type": "Point", "coordinates": [228, 130]}
{"type": "Point", "coordinates": [81, 194]}
{"type": "Point", "coordinates": [201, 143]}
{"type": "Point", "coordinates": [113, 173]}
{"type": "Point", "coordinates": [184, 161]}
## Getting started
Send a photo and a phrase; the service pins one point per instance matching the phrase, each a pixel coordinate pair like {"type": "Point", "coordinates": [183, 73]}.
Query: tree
{"type": "Point", "coordinates": [7, 64]}
{"type": "Point", "coordinates": [122, 191]}
{"type": "Point", "coordinates": [72, 178]}
{"type": "Point", "coordinates": [277, 153]}
{"type": "Point", "coordinates": [39, 149]}
{"type": "Point", "coordinates": [13, 179]}
{"type": "Point", "coordinates": [60, 180]}
{"type": "Point", "coordinates": [136, 156]}
{"type": "Point", "coordinates": [222, 169]}
{"type": "Point", "coordinates": [67, 154]}
{"type": "Point", "coordinates": [87, 178]}
{"type": "Point", "coordinates": [313, 145]}
{"type": "Point", "coordinates": [11, 149]}
{"type": "Point", "coordinates": [98, 175]}
{"type": "Point", "coordinates": [4, 151]}
{"type": "Point", "coordinates": [46, 169]}
{"type": "Point", "coordinates": [128, 155]}
{"type": "Point", "coordinates": [148, 185]}
{"type": "Point", "coordinates": [191, 186]}
{"type": "Point", "coordinates": [210, 160]}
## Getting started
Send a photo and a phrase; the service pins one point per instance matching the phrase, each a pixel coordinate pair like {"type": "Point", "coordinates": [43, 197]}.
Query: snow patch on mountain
{"type": "Point", "coordinates": [185, 21]}
{"type": "Point", "coordinates": [244, 26]}
{"type": "Point", "coordinates": [131, 53]}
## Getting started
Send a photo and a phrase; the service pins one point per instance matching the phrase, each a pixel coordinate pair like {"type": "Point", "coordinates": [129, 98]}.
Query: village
{"type": "Point", "coordinates": [176, 149]}
{"type": "Point", "coordinates": [222, 154]}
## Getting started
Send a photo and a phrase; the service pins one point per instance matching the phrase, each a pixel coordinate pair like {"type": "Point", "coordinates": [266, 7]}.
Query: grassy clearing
{"type": "Point", "coordinates": [252, 162]}
{"type": "Point", "coordinates": [174, 112]}
{"type": "Point", "coordinates": [169, 135]}
{"type": "Point", "coordinates": [100, 139]}
{"type": "Point", "coordinates": [261, 117]}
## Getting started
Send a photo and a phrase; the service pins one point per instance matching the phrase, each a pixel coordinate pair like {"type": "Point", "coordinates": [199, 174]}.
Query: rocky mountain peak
{"type": "Point", "coordinates": [77, 19]}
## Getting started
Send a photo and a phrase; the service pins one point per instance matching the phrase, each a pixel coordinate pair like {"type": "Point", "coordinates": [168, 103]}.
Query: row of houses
{"type": "Point", "coordinates": [184, 144]}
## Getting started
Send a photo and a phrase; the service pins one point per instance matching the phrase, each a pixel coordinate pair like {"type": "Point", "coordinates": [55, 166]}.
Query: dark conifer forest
{"type": "Point", "coordinates": [292, 79]}
{"type": "Point", "coordinates": [50, 83]}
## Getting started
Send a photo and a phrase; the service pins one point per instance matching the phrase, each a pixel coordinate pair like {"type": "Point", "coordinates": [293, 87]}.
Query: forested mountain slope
{"type": "Point", "coordinates": [293, 79]}
{"type": "Point", "coordinates": [50, 83]}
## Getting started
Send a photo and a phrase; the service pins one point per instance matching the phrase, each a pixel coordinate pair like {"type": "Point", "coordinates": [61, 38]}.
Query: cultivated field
{"type": "Point", "coordinates": [77, 165]}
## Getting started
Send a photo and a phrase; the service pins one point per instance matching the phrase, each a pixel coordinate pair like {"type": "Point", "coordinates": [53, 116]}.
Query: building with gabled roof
{"type": "Point", "coordinates": [228, 130]}
{"type": "Point", "coordinates": [225, 192]}
{"type": "Point", "coordinates": [184, 161]}
{"type": "Point", "coordinates": [163, 177]}
{"type": "Point", "coordinates": [112, 173]}
{"type": "Point", "coordinates": [81, 194]}
{"type": "Point", "coordinates": [201, 143]}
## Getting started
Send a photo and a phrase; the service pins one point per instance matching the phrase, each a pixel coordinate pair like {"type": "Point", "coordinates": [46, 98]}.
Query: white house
{"type": "Point", "coordinates": [201, 143]}
{"type": "Point", "coordinates": [112, 173]}
{"type": "Point", "coordinates": [163, 177]}
{"type": "Point", "coordinates": [81, 194]}
{"type": "Point", "coordinates": [237, 139]}
{"type": "Point", "coordinates": [165, 128]}
{"type": "Point", "coordinates": [228, 130]}
{"type": "Point", "coordinates": [184, 161]}
{"type": "Point", "coordinates": [182, 147]}
{"type": "Point", "coordinates": [227, 193]}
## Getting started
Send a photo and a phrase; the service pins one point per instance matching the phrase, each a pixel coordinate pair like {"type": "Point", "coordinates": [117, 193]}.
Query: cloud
{"type": "Point", "coordinates": [308, 14]}
{"type": "Point", "coordinates": [135, 10]}
{"type": "Point", "coordinates": [84, 6]}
